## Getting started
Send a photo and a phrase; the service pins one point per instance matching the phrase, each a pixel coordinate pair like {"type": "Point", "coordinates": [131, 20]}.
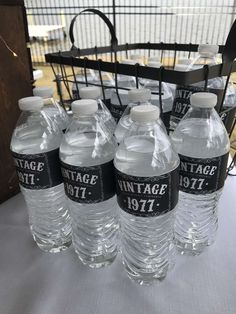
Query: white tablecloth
{"type": "Point", "coordinates": [33, 282]}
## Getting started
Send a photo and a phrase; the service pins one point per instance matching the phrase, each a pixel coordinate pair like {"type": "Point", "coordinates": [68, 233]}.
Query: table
{"type": "Point", "coordinates": [44, 31]}
{"type": "Point", "coordinates": [33, 282]}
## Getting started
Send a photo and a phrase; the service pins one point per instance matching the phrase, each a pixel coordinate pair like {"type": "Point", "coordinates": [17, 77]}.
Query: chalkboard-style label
{"type": "Point", "coordinates": [182, 99]}
{"type": "Point", "coordinates": [147, 196]}
{"type": "Point", "coordinates": [117, 111]}
{"type": "Point", "coordinates": [202, 176]}
{"type": "Point", "coordinates": [89, 184]}
{"type": "Point", "coordinates": [38, 171]}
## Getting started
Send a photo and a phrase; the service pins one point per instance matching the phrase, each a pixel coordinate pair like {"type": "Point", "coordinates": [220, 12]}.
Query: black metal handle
{"type": "Point", "coordinates": [114, 41]}
{"type": "Point", "coordinates": [229, 53]}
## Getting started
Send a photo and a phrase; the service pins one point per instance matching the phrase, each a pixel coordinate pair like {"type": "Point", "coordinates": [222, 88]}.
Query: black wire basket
{"type": "Point", "coordinates": [65, 63]}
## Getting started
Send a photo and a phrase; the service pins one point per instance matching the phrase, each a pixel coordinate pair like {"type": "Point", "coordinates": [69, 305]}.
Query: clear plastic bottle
{"type": "Point", "coordinates": [108, 83]}
{"type": "Point", "coordinates": [94, 92]}
{"type": "Point", "coordinates": [167, 96]}
{"type": "Point", "coordinates": [147, 194]}
{"type": "Point", "coordinates": [80, 81]}
{"type": "Point", "coordinates": [184, 62]}
{"type": "Point", "coordinates": [137, 96]}
{"type": "Point", "coordinates": [52, 107]}
{"type": "Point", "coordinates": [86, 154]}
{"type": "Point", "coordinates": [35, 148]}
{"type": "Point", "coordinates": [124, 81]}
{"type": "Point", "coordinates": [181, 66]}
{"type": "Point", "coordinates": [206, 55]}
{"type": "Point", "coordinates": [203, 145]}
{"type": "Point", "coordinates": [138, 58]}
{"type": "Point", "coordinates": [153, 59]}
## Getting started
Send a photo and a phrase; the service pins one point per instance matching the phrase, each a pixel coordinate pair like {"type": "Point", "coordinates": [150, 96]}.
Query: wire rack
{"type": "Point", "coordinates": [65, 66]}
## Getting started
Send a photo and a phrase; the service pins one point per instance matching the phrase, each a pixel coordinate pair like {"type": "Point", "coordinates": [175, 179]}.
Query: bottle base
{"type": "Point", "coordinates": [145, 278]}
{"type": "Point", "coordinates": [51, 246]}
{"type": "Point", "coordinates": [192, 248]}
{"type": "Point", "coordinates": [99, 261]}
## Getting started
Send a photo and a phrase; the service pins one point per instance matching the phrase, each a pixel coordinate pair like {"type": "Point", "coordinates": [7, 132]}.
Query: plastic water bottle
{"type": "Point", "coordinates": [147, 194]}
{"type": "Point", "coordinates": [80, 81]}
{"type": "Point", "coordinates": [181, 66]}
{"type": "Point", "coordinates": [203, 145]}
{"type": "Point", "coordinates": [52, 107]}
{"type": "Point", "coordinates": [35, 148]}
{"type": "Point", "coordinates": [184, 62]}
{"type": "Point", "coordinates": [167, 96]}
{"type": "Point", "coordinates": [123, 81]}
{"type": "Point", "coordinates": [153, 59]}
{"type": "Point", "coordinates": [108, 83]}
{"type": "Point", "coordinates": [137, 58]}
{"type": "Point", "coordinates": [94, 92]}
{"type": "Point", "coordinates": [207, 55]}
{"type": "Point", "coordinates": [86, 154]}
{"type": "Point", "coordinates": [137, 96]}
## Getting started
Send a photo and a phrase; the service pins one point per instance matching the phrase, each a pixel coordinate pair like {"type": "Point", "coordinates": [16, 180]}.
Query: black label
{"type": "Point", "coordinates": [117, 111]}
{"type": "Point", "coordinates": [89, 184]}
{"type": "Point", "coordinates": [182, 99]}
{"type": "Point", "coordinates": [147, 196]}
{"type": "Point", "coordinates": [202, 175]}
{"type": "Point", "coordinates": [38, 171]}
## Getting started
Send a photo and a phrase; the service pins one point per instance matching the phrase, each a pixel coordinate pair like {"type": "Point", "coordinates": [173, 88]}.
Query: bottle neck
{"type": "Point", "coordinates": [84, 118]}
{"type": "Point", "coordinates": [147, 125]}
{"type": "Point", "coordinates": [199, 112]}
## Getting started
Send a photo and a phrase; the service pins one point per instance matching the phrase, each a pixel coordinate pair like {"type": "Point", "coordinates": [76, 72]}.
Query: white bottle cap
{"type": "Point", "coordinates": [145, 113]}
{"type": "Point", "coordinates": [154, 64]}
{"type": "Point", "coordinates": [139, 94]}
{"type": "Point", "coordinates": [43, 91]}
{"type": "Point", "coordinates": [206, 49]}
{"type": "Point", "coordinates": [33, 103]}
{"type": "Point", "coordinates": [203, 100]}
{"type": "Point", "coordinates": [154, 59]}
{"type": "Point", "coordinates": [90, 92]}
{"type": "Point", "coordinates": [84, 106]}
{"type": "Point", "coordinates": [128, 61]}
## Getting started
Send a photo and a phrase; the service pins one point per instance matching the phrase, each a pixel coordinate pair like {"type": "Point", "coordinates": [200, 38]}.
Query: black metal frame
{"type": "Point", "coordinates": [78, 58]}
